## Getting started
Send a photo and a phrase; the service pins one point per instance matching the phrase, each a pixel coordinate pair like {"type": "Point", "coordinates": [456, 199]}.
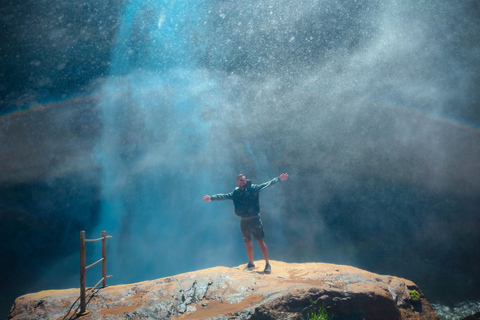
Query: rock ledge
{"type": "Point", "coordinates": [292, 291]}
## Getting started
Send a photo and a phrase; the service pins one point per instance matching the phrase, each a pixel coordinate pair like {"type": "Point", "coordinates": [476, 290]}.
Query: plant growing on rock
{"type": "Point", "coordinates": [320, 314]}
{"type": "Point", "coordinates": [414, 295]}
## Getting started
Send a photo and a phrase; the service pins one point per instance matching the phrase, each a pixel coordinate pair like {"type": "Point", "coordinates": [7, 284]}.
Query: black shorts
{"type": "Point", "coordinates": [252, 225]}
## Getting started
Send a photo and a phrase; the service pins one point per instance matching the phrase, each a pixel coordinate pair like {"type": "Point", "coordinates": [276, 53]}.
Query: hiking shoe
{"type": "Point", "coordinates": [249, 266]}
{"type": "Point", "coordinates": [268, 268]}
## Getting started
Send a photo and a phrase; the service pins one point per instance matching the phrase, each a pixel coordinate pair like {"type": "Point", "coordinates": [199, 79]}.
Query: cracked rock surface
{"type": "Point", "coordinates": [291, 291]}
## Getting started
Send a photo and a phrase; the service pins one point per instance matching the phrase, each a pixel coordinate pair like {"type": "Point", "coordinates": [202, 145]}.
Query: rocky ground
{"type": "Point", "coordinates": [291, 291]}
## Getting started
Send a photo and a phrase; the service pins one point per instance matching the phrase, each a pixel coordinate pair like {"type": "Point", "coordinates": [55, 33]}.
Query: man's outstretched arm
{"type": "Point", "coordinates": [282, 177]}
{"type": "Point", "coordinates": [227, 196]}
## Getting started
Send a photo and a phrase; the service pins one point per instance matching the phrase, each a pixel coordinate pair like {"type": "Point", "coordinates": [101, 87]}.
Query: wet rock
{"type": "Point", "coordinates": [475, 316]}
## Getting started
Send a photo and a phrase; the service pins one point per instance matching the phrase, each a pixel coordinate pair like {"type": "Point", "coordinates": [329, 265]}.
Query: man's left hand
{"type": "Point", "coordinates": [283, 176]}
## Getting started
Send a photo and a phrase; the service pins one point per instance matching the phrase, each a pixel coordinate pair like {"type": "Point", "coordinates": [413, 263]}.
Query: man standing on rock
{"type": "Point", "coordinates": [247, 206]}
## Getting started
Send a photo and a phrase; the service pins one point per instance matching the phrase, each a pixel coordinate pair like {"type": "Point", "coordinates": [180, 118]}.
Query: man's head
{"type": "Point", "coordinates": [241, 181]}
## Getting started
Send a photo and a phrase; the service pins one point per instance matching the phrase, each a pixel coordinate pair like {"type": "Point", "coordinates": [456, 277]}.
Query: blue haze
{"type": "Point", "coordinates": [370, 106]}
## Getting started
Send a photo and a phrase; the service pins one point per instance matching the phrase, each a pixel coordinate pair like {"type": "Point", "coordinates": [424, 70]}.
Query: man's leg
{"type": "Point", "coordinates": [249, 247]}
{"type": "Point", "coordinates": [263, 248]}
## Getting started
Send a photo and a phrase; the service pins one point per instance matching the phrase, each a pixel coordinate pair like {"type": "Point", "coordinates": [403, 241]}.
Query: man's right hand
{"type": "Point", "coordinates": [207, 198]}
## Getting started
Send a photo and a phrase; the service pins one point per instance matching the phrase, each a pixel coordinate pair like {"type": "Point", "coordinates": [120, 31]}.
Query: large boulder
{"type": "Point", "coordinates": [291, 291]}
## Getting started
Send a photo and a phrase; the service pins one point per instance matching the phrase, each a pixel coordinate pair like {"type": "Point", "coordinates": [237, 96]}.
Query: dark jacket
{"type": "Point", "coordinates": [246, 201]}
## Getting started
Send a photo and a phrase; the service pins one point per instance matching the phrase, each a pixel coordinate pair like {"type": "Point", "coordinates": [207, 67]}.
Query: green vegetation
{"type": "Point", "coordinates": [320, 314]}
{"type": "Point", "coordinates": [414, 295]}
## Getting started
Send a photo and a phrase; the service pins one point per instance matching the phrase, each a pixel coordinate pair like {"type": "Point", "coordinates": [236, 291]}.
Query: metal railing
{"type": "Point", "coordinates": [83, 268]}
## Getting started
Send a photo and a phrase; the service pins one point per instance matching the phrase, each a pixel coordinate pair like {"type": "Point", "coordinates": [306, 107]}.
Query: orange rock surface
{"type": "Point", "coordinates": [291, 291]}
